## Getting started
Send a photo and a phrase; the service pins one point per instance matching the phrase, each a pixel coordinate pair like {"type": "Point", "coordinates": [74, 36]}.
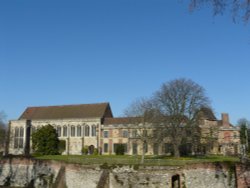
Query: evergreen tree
{"type": "Point", "coordinates": [45, 141]}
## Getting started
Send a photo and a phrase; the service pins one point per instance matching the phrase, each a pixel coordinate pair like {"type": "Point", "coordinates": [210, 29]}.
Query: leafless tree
{"type": "Point", "coordinates": [178, 105]}
{"type": "Point", "coordinates": [238, 8]}
{"type": "Point", "coordinates": [141, 117]}
{"type": "Point", "coordinates": [2, 129]}
{"type": "Point", "coordinates": [172, 114]}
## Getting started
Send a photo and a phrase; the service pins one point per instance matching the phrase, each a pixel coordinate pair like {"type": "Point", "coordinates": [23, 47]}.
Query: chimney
{"type": "Point", "coordinates": [225, 120]}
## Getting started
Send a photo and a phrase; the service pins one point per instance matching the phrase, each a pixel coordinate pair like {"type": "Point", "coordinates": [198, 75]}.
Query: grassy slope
{"type": "Point", "coordinates": [131, 160]}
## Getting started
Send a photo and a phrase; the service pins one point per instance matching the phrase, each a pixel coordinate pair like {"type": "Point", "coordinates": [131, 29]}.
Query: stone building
{"type": "Point", "coordinates": [93, 126]}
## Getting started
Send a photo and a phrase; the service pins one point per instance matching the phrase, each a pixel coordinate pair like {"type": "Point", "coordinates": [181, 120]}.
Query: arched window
{"type": "Point", "coordinates": [79, 130]}
{"type": "Point", "coordinates": [18, 137]}
{"type": "Point", "coordinates": [87, 130]}
{"type": "Point", "coordinates": [59, 130]}
{"type": "Point", "coordinates": [65, 131]}
{"type": "Point", "coordinates": [93, 130]}
{"type": "Point", "coordinates": [21, 137]}
{"type": "Point", "coordinates": [73, 131]}
{"type": "Point", "coordinates": [33, 130]}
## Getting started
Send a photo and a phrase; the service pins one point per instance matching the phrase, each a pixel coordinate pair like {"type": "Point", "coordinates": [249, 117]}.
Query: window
{"type": "Point", "coordinates": [235, 135]}
{"type": "Point", "coordinates": [106, 148]}
{"type": "Point", "coordinates": [87, 130]}
{"type": "Point", "coordinates": [227, 136]}
{"type": "Point", "coordinates": [169, 149]}
{"type": "Point", "coordinates": [134, 149]}
{"type": "Point", "coordinates": [73, 131]}
{"type": "Point", "coordinates": [125, 134]}
{"type": "Point", "coordinates": [155, 133]}
{"type": "Point", "coordinates": [65, 131]}
{"type": "Point", "coordinates": [105, 134]}
{"type": "Point", "coordinates": [33, 130]}
{"type": "Point", "coordinates": [145, 147]}
{"type": "Point", "coordinates": [79, 130]}
{"type": "Point", "coordinates": [134, 133]}
{"type": "Point", "coordinates": [93, 130]}
{"type": "Point", "coordinates": [58, 130]}
{"type": "Point", "coordinates": [144, 133]}
{"type": "Point", "coordinates": [18, 137]}
{"type": "Point", "coordinates": [156, 149]}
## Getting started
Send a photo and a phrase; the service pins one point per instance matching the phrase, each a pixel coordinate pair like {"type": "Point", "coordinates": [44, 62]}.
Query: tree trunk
{"type": "Point", "coordinates": [176, 150]}
{"type": "Point", "coordinates": [143, 153]}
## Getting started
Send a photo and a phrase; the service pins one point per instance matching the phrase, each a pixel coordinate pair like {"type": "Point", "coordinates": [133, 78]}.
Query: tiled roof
{"type": "Point", "coordinates": [99, 110]}
{"type": "Point", "coordinates": [207, 113]}
{"type": "Point", "coordinates": [220, 123]}
{"type": "Point", "coordinates": [121, 120]}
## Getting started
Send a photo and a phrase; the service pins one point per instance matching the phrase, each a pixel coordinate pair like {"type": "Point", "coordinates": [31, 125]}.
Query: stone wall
{"type": "Point", "coordinates": [23, 172]}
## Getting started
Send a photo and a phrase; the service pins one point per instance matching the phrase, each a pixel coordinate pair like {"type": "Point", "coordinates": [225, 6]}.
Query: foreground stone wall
{"type": "Point", "coordinates": [23, 172]}
{"type": "Point", "coordinates": [193, 176]}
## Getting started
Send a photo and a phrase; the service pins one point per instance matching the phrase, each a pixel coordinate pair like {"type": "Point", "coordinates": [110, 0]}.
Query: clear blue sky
{"type": "Point", "coordinates": [90, 51]}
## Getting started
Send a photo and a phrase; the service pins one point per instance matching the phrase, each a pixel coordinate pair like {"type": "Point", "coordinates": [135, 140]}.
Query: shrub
{"type": "Point", "coordinates": [45, 141]}
{"type": "Point", "coordinates": [62, 146]}
{"type": "Point", "coordinates": [85, 150]}
{"type": "Point", "coordinates": [120, 149]}
{"type": "Point", "coordinates": [95, 151]}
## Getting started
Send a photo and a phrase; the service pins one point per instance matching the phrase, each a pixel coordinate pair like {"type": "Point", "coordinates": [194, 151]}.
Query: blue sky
{"type": "Point", "coordinates": [82, 51]}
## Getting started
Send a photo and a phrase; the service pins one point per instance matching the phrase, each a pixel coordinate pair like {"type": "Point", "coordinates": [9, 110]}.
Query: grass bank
{"type": "Point", "coordinates": [134, 160]}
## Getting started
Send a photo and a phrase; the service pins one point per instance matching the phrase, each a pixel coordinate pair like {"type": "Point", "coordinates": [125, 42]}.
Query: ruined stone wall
{"type": "Point", "coordinates": [23, 172]}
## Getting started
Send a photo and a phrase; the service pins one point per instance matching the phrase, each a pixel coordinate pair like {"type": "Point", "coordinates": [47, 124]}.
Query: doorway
{"type": "Point", "coordinates": [176, 181]}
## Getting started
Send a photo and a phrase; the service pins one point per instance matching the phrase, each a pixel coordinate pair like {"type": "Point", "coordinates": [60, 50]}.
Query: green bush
{"type": "Point", "coordinates": [45, 141]}
{"type": "Point", "coordinates": [62, 146]}
{"type": "Point", "coordinates": [85, 150]}
{"type": "Point", "coordinates": [120, 149]}
{"type": "Point", "coordinates": [95, 151]}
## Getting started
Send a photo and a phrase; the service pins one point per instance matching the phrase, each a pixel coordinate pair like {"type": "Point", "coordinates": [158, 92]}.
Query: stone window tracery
{"type": "Point", "coordinates": [93, 130]}
{"type": "Point", "coordinates": [18, 137]}
{"type": "Point", "coordinates": [79, 130]}
{"type": "Point", "coordinates": [73, 131]}
{"type": "Point", "coordinates": [87, 130]}
{"type": "Point", "coordinates": [65, 131]}
{"type": "Point", "coordinates": [59, 131]}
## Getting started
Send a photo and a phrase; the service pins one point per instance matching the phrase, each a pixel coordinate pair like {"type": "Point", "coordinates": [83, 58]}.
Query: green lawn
{"type": "Point", "coordinates": [134, 160]}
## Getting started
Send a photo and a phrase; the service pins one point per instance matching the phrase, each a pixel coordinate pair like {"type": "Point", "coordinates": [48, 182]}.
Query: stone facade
{"type": "Point", "coordinates": [93, 126]}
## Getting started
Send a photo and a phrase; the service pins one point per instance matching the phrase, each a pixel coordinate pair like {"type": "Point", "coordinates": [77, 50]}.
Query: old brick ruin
{"type": "Point", "coordinates": [23, 172]}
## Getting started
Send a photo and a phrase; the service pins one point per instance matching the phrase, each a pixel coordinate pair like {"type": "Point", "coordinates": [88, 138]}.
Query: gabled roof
{"type": "Point", "coordinates": [207, 113]}
{"type": "Point", "coordinates": [99, 110]}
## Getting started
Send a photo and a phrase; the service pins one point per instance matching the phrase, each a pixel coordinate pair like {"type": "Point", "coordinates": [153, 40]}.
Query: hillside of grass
{"type": "Point", "coordinates": [134, 160]}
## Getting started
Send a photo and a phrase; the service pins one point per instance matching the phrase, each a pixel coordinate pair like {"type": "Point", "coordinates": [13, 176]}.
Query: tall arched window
{"type": "Point", "coordinates": [86, 130]}
{"type": "Point", "coordinates": [65, 131]}
{"type": "Point", "coordinates": [18, 137]}
{"type": "Point", "coordinates": [33, 129]}
{"type": "Point", "coordinates": [21, 137]}
{"type": "Point", "coordinates": [79, 130]}
{"type": "Point", "coordinates": [93, 130]}
{"type": "Point", "coordinates": [59, 130]}
{"type": "Point", "coordinates": [73, 131]}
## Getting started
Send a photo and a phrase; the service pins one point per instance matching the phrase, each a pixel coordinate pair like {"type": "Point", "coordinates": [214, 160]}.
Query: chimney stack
{"type": "Point", "coordinates": [225, 120]}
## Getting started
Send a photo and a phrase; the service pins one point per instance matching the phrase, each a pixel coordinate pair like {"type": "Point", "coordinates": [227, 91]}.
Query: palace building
{"type": "Point", "coordinates": [93, 126]}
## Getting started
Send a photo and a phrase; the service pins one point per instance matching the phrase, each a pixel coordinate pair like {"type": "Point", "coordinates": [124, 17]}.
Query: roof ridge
{"type": "Point", "coordinates": [106, 103]}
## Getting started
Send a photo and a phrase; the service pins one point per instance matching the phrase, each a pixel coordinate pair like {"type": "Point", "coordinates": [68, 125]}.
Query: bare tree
{"type": "Point", "coordinates": [238, 8]}
{"type": "Point", "coordinates": [140, 111]}
{"type": "Point", "coordinates": [178, 104]}
{"type": "Point", "coordinates": [2, 130]}
{"type": "Point", "coordinates": [172, 115]}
